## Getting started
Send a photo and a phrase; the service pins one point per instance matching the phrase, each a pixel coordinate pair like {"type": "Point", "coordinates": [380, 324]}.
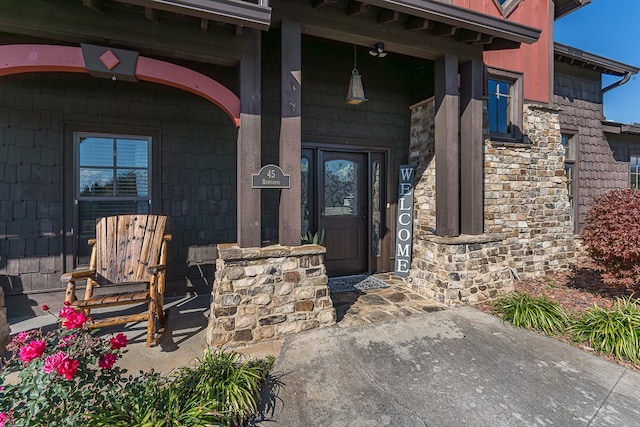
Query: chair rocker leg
{"type": "Point", "coordinates": [157, 327]}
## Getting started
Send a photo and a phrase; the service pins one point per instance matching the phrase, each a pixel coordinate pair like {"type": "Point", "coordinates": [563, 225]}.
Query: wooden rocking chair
{"type": "Point", "coordinates": [127, 250]}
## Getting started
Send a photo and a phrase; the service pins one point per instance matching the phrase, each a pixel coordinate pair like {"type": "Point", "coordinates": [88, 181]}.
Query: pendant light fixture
{"type": "Point", "coordinates": [356, 91]}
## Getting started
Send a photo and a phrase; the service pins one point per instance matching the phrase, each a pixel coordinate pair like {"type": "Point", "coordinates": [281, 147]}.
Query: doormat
{"type": "Point", "coordinates": [359, 282]}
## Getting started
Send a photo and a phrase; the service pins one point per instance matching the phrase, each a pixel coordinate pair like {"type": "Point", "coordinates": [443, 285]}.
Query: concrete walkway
{"type": "Point", "coordinates": [457, 367]}
{"type": "Point", "coordinates": [454, 367]}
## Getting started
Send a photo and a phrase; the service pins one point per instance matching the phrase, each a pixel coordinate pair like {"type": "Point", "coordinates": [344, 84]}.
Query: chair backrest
{"type": "Point", "coordinates": [126, 245]}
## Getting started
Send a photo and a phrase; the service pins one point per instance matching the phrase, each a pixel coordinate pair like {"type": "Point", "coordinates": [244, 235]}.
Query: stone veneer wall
{"type": "Point", "coordinates": [527, 222]}
{"type": "Point", "coordinates": [526, 196]}
{"type": "Point", "coordinates": [263, 293]}
{"type": "Point", "coordinates": [4, 323]}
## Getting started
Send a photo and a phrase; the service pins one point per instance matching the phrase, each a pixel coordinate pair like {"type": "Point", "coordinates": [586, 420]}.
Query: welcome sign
{"type": "Point", "coordinates": [404, 225]}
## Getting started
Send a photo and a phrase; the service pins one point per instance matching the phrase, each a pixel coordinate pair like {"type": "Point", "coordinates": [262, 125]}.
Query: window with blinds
{"type": "Point", "coordinates": [112, 178]}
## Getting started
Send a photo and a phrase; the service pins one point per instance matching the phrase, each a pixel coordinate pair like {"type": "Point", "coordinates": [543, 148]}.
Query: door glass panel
{"type": "Point", "coordinates": [340, 188]}
{"type": "Point", "coordinates": [306, 211]}
{"type": "Point", "coordinates": [375, 208]}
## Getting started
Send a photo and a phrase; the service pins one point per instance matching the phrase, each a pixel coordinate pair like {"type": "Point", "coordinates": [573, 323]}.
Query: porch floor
{"type": "Point", "coordinates": [185, 338]}
{"type": "Point", "coordinates": [377, 305]}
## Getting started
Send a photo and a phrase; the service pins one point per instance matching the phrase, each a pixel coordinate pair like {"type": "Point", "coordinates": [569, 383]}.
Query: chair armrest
{"type": "Point", "coordinates": [155, 269]}
{"type": "Point", "coordinates": [167, 237]}
{"type": "Point", "coordinates": [76, 275]}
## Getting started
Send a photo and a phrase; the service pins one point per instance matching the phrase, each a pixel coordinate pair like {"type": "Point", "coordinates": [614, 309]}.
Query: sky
{"type": "Point", "coordinates": [609, 28]}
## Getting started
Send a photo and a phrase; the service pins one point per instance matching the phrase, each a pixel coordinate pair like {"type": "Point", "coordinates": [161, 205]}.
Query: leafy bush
{"type": "Point", "coordinates": [316, 238]}
{"type": "Point", "coordinates": [219, 390]}
{"type": "Point", "coordinates": [612, 237]}
{"type": "Point", "coordinates": [532, 313]}
{"type": "Point", "coordinates": [613, 331]}
{"type": "Point", "coordinates": [65, 376]}
{"type": "Point", "coordinates": [61, 375]}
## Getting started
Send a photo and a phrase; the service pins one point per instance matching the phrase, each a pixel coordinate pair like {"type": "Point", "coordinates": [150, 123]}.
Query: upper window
{"type": "Point", "coordinates": [504, 109]}
{"type": "Point", "coordinates": [112, 178]}
{"type": "Point", "coordinates": [507, 6]}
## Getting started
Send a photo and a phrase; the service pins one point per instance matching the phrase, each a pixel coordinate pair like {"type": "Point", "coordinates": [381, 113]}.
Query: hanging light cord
{"type": "Point", "coordinates": [354, 58]}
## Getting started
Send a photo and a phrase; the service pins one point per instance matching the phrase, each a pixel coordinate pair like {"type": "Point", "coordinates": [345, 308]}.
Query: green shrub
{"type": "Point", "coordinates": [60, 375]}
{"type": "Point", "coordinates": [219, 390]}
{"type": "Point", "coordinates": [615, 331]}
{"type": "Point", "coordinates": [310, 238]}
{"type": "Point", "coordinates": [611, 236]}
{"type": "Point", "coordinates": [532, 313]}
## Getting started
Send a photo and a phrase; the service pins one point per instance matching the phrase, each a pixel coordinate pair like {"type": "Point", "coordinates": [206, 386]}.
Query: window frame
{"type": "Point", "coordinates": [516, 105]}
{"type": "Point", "coordinates": [507, 6]}
{"type": "Point", "coordinates": [571, 162]}
{"type": "Point", "coordinates": [77, 138]}
{"type": "Point", "coordinates": [70, 214]}
{"type": "Point", "coordinates": [636, 154]}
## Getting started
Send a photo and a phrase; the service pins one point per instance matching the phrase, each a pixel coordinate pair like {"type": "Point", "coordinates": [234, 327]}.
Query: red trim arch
{"type": "Point", "coordinates": [29, 58]}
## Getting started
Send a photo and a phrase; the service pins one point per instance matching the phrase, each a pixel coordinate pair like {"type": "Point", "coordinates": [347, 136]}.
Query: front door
{"type": "Point", "coordinates": [344, 210]}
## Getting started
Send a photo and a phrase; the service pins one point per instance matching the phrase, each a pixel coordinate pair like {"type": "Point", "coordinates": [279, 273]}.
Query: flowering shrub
{"type": "Point", "coordinates": [612, 238]}
{"type": "Point", "coordinates": [62, 375]}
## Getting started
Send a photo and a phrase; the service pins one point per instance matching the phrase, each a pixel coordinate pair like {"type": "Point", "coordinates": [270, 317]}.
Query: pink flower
{"type": "Point", "coordinates": [51, 363]}
{"type": "Point", "coordinates": [45, 307]}
{"type": "Point", "coordinates": [68, 367]}
{"type": "Point", "coordinates": [3, 418]}
{"type": "Point", "coordinates": [72, 319]}
{"type": "Point", "coordinates": [32, 350]}
{"type": "Point", "coordinates": [119, 341]}
{"type": "Point", "coordinates": [107, 361]}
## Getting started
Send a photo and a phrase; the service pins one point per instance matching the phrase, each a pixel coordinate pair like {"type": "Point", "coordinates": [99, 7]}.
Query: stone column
{"type": "Point", "coordinates": [265, 293]}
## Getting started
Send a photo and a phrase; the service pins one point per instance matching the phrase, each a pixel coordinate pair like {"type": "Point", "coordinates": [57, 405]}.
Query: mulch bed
{"type": "Point", "coordinates": [576, 291]}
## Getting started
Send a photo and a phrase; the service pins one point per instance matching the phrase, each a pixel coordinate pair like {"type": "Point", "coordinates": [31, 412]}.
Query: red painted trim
{"type": "Point", "coordinates": [153, 70]}
{"type": "Point", "coordinates": [27, 58]}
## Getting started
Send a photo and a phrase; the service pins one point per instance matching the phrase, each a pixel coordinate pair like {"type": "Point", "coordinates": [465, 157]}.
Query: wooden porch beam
{"type": "Point", "coordinates": [443, 30]}
{"type": "Point", "coordinates": [387, 16]}
{"type": "Point", "coordinates": [415, 23]}
{"type": "Point", "coordinates": [447, 152]}
{"type": "Point", "coordinates": [471, 149]}
{"type": "Point", "coordinates": [249, 140]}
{"type": "Point", "coordinates": [333, 24]}
{"type": "Point", "coordinates": [322, 3]}
{"type": "Point", "coordinates": [152, 15]}
{"type": "Point", "coordinates": [96, 5]}
{"type": "Point", "coordinates": [357, 8]}
{"type": "Point", "coordinates": [290, 224]}
{"type": "Point", "coordinates": [468, 36]}
{"type": "Point", "coordinates": [74, 23]}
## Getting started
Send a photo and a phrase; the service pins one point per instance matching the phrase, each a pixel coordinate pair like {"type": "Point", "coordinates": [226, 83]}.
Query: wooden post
{"type": "Point", "coordinates": [447, 152]}
{"type": "Point", "coordinates": [471, 152]}
{"type": "Point", "coordinates": [290, 134]}
{"type": "Point", "coordinates": [249, 140]}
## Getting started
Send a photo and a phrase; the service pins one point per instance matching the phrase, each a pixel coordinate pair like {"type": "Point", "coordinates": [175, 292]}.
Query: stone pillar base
{"type": "Point", "coordinates": [266, 293]}
{"type": "Point", "coordinates": [461, 270]}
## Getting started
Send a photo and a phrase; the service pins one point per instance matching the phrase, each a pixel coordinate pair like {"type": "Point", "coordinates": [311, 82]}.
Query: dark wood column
{"type": "Point", "coordinates": [290, 133]}
{"type": "Point", "coordinates": [447, 147]}
{"type": "Point", "coordinates": [249, 139]}
{"type": "Point", "coordinates": [471, 150]}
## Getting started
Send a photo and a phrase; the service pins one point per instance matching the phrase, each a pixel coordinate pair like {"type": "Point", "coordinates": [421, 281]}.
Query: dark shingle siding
{"type": "Point", "coordinates": [577, 93]}
{"type": "Point", "coordinates": [198, 154]}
